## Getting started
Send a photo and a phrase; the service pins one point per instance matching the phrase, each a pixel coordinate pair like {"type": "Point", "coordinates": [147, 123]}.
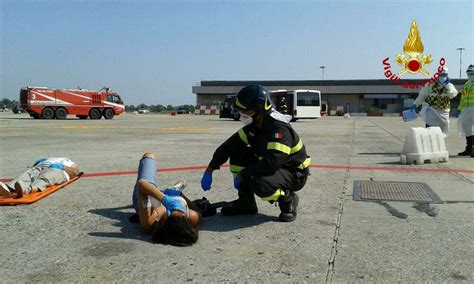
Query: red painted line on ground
{"type": "Point", "coordinates": [334, 167]}
{"type": "Point", "coordinates": [105, 174]}
{"type": "Point", "coordinates": [430, 170]}
{"type": "Point", "coordinates": [135, 172]}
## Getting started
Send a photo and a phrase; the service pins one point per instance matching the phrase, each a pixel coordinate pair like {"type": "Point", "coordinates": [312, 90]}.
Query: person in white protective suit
{"type": "Point", "coordinates": [466, 118]}
{"type": "Point", "coordinates": [434, 99]}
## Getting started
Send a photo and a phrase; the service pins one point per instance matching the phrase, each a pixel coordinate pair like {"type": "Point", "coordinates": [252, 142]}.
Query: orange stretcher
{"type": "Point", "coordinates": [35, 195]}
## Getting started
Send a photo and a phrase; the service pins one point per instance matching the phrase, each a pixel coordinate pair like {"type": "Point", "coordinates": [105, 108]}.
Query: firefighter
{"type": "Point", "coordinates": [435, 101]}
{"type": "Point", "coordinates": [466, 107]}
{"type": "Point", "coordinates": [282, 107]}
{"type": "Point", "coordinates": [267, 157]}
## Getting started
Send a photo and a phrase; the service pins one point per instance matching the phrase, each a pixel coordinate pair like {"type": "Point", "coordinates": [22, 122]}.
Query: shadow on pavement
{"type": "Point", "coordinates": [392, 163]}
{"type": "Point", "coordinates": [220, 223]}
{"type": "Point", "coordinates": [32, 119]}
{"type": "Point", "coordinates": [381, 154]}
{"type": "Point", "coordinates": [217, 223]}
{"type": "Point", "coordinates": [455, 156]}
{"type": "Point", "coordinates": [222, 119]}
{"type": "Point", "coordinates": [16, 118]}
{"type": "Point", "coordinates": [128, 230]}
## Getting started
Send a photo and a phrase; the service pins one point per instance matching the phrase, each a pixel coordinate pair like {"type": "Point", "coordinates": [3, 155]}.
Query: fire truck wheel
{"type": "Point", "coordinates": [109, 113]}
{"type": "Point", "coordinates": [61, 113]}
{"type": "Point", "coordinates": [47, 113]}
{"type": "Point", "coordinates": [94, 114]}
{"type": "Point", "coordinates": [236, 117]}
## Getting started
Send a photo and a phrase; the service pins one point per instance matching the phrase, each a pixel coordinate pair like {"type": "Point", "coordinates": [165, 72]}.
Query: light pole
{"type": "Point", "coordinates": [460, 60]}
{"type": "Point", "coordinates": [322, 72]}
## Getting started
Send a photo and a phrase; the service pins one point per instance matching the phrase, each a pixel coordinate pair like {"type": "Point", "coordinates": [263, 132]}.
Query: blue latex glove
{"type": "Point", "coordinates": [206, 181]}
{"type": "Point", "coordinates": [172, 192]}
{"type": "Point", "coordinates": [237, 180]}
{"type": "Point", "coordinates": [457, 114]}
{"type": "Point", "coordinates": [173, 204]}
{"type": "Point", "coordinates": [56, 166]}
{"type": "Point", "coordinates": [416, 108]}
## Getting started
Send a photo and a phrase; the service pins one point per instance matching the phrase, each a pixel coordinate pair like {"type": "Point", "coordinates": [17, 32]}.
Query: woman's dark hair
{"type": "Point", "coordinates": [176, 231]}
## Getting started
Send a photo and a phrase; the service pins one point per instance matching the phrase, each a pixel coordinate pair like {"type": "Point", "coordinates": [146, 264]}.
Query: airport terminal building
{"type": "Point", "coordinates": [355, 96]}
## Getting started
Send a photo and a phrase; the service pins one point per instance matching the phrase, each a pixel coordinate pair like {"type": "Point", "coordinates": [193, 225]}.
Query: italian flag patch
{"type": "Point", "coordinates": [278, 135]}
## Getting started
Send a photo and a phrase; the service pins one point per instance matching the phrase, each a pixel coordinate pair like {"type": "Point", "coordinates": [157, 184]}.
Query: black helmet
{"type": "Point", "coordinates": [253, 97]}
{"type": "Point", "coordinates": [470, 69]}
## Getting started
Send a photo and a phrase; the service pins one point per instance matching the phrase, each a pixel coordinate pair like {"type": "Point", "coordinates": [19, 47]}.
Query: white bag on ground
{"type": "Point", "coordinates": [435, 117]}
{"type": "Point", "coordinates": [465, 122]}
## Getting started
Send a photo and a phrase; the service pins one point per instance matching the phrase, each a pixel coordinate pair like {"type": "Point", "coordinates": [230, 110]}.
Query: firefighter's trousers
{"type": "Point", "coordinates": [268, 187]}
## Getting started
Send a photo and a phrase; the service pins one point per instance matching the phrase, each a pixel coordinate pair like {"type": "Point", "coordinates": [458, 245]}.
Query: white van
{"type": "Point", "coordinates": [298, 103]}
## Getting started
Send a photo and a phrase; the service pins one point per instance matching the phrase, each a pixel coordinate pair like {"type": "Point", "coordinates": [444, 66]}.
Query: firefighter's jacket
{"type": "Point", "coordinates": [276, 145]}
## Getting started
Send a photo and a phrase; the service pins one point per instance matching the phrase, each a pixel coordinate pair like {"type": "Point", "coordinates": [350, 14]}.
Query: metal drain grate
{"type": "Point", "coordinates": [365, 190]}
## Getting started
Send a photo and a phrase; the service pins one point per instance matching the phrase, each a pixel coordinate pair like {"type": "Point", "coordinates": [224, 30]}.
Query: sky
{"type": "Point", "coordinates": [153, 52]}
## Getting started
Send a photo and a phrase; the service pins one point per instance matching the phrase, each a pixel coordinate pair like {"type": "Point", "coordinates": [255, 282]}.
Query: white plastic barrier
{"type": "Point", "coordinates": [424, 144]}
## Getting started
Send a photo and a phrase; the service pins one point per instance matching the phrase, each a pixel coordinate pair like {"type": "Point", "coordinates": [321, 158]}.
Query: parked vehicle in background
{"type": "Point", "coordinates": [16, 109]}
{"type": "Point", "coordinates": [143, 111]}
{"type": "Point", "coordinates": [226, 110]}
{"type": "Point", "coordinates": [44, 103]}
{"type": "Point", "coordinates": [184, 109]}
{"type": "Point", "coordinates": [298, 103]}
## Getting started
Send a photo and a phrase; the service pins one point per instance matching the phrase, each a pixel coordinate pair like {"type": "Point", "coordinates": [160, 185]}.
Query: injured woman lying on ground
{"type": "Point", "coordinates": [168, 215]}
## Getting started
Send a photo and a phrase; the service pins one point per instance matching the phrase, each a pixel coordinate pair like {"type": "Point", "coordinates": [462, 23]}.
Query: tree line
{"type": "Point", "coordinates": [6, 103]}
{"type": "Point", "coordinates": [159, 108]}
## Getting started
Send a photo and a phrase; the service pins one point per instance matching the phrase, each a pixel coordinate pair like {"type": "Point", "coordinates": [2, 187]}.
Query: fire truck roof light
{"type": "Point", "coordinates": [33, 87]}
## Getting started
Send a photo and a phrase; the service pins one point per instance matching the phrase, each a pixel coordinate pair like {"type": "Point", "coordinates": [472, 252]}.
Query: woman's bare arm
{"type": "Point", "coordinates": [148, 216]}
{"type": "Point", "coordinates": [154, 217]}
{"type": "Point", "coordinates": [149, 189]}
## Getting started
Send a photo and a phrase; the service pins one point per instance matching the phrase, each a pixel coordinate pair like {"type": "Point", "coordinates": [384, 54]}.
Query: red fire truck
{"type": "Point", "coordinates": [41, 102]}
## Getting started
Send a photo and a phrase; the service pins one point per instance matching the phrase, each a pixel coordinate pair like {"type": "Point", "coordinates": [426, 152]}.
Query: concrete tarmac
{"type": "Point", "coordinates": [82, 233]}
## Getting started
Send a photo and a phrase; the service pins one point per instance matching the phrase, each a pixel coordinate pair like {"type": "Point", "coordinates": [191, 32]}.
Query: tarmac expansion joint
{"type": "Point", "coordinates": [342, 201]}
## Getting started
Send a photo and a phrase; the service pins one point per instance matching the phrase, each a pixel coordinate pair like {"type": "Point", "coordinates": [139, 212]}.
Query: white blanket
{"type": "Point", "coordinates": [466, 121]}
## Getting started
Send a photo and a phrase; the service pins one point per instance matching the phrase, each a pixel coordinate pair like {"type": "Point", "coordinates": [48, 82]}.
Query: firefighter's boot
{"type": "Point", "coordinates": [245, 204]}
{"type": "Point", "coordinates": [288, 206]}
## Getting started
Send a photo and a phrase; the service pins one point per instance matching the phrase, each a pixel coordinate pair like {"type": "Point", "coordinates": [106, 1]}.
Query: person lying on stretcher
{"type": "Point", "coordinates": [168, 215]}
{"type": "Point", "coordinates": [44, 172]}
